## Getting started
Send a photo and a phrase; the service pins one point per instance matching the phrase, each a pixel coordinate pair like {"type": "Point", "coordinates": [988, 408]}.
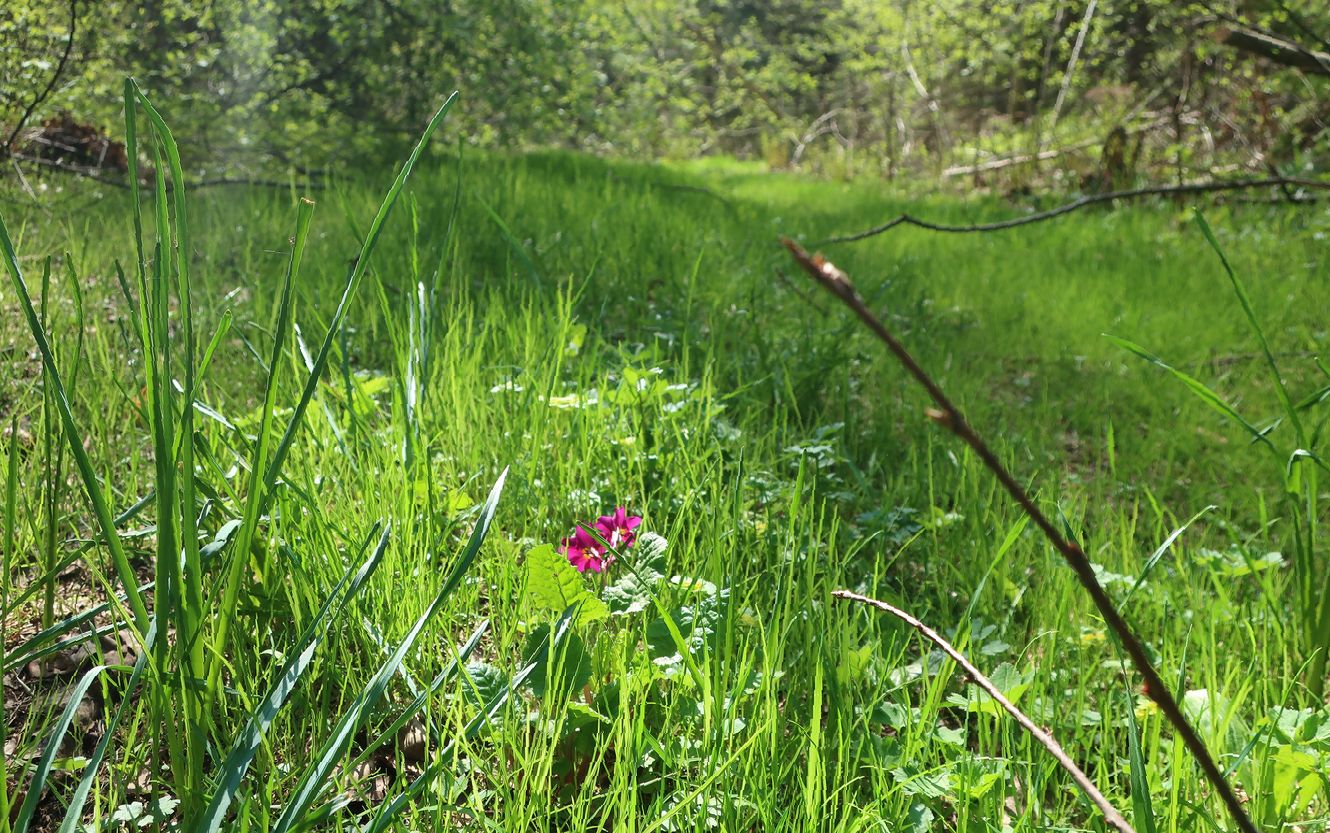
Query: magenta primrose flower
{"type": "Point", "coordinates": [618, 528]}
{"type": "Point", "coordinates": [586, 553]}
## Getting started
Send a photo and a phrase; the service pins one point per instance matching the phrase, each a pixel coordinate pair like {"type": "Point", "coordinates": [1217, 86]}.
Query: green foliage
{"type": "Point", "coordinates": [658, 365]}
{"type": "Point", "coordinates": [853, 86]}
{"type": "Point", "coordinates": [1294, 452]}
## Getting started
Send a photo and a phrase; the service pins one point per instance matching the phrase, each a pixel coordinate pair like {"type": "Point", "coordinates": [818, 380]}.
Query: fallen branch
{"type": "Point", "coordinates": [949, 416]}
{"type": "Point", "coordinates": [1075, 205]}
{"type": "Point", "coordinates": [1021, 159]}
{"type": "Point", "coordinates": [1044, 155]}
{"type": "Point", "coordinates": [94, 176]}
{"type": "Point", "coordinates": [1283, 52]}
{"type": "Point", "coordinates": [1111, 813]}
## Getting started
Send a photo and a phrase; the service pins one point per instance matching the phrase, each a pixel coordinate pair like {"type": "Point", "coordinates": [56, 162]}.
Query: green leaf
{"type": "Point", "coordinates": [920, 819]}
{"type": "Point", "coordinates": [975, 777]}
{"type": "Point", "coordinates": [554, 584]}
{"type": "Point", "coordinates": [631, 593]}
{"type": "Point", "coordinates": [1011, 682]}
{"type": "Point", "coordinates": [929, 783]}
{"type": "Point", "coordinates": [1216, 720]}
{"type": "Point", "coordinates": [483, 682]}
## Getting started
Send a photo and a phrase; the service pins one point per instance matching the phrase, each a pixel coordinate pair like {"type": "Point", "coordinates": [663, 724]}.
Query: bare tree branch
{"type": "Point", "coordinates": [1111, 813]}
{"type": "Point", "coordinates": [94, 175]}
{"type": "Point", "coordinates": [1276, 49]}
{"type": "Point", "coordinates": [1075, 205]}
{"type": "Point", "coordinates": [949, 416]}
{"type": "Point", "coordinates": [6, 147]}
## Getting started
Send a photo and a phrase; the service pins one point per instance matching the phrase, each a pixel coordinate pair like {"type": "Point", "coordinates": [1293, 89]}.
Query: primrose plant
{"type": "Point", "coordinates": [615, 575]}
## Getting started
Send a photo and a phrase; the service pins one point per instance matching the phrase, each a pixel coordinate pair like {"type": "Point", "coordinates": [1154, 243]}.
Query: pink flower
{"type": "Point", "coordinates": [585, 552]}
{"type": "Point", "coordinates": [618, 528]}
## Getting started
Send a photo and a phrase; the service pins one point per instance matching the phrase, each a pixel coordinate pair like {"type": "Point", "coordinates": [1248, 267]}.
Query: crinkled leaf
{"type": "Point", "coordinates": [631, 593]}
{"type": "Point", "coordinates": [1213, 714]}
{"type": "Point", "coordinates": [1011, 682]}
{"type": "Point", "coordinates": [920, 819]}
{"type": "Point", "coordinates": [554, 584]}
{"type": "Point", "coordinates": [699, 623]}
{"type": "Point", "coordinates": [483, 682]}
{"type": "Point", "coordinates": [929, 783]}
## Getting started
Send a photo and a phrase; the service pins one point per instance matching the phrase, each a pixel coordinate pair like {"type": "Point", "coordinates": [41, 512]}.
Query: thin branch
{"type": "Point", "coordinates": [950, 417]}
{"type": "Point", "coordinates": [1071, 64]}
{"type": "Point", "coordinates": [1075, 205]}
{"type": "Point", "coordinates": [91, 174]}
{"type": "Point", "coordinates": [1278, 50]}
{"type": "Point", "coordinates": [1111, 813]}
{"type": "Point", "coordinates": [1306, 28]}
{"type": "Point", "coordinates": [7, 146]}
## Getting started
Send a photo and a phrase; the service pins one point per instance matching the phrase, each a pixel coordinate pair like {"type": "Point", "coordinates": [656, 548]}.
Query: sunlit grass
{"type": "Point", "coordinates": [612, 338]}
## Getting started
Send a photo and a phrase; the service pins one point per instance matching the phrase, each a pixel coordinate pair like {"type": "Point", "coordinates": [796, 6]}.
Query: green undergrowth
{"type": "Point", "coordinates": [615, 334]}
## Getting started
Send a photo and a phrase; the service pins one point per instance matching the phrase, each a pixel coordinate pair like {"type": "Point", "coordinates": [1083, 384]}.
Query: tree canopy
{"type": "Point", "coordinates": [854, 86]}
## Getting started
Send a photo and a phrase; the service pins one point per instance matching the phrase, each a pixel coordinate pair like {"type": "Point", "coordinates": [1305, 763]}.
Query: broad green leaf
{"type": "Point", "coordinates": [1011, 682]}
{"type": "Point", "coordinates": [631, 592]}
{"type": "Point", "coordinates": [554, 584]}
{"type": "Point", "coordinates": [699, 625]}
{"type": "Point", "coordinates": [483, 682]}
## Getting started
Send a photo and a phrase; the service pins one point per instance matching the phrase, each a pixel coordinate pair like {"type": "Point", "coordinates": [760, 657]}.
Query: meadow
{"type": "Point", "coordinates": [373, 634]}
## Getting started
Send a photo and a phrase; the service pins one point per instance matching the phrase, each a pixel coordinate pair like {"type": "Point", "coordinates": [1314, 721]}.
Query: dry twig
{"type": "Point", "coordinates": [950, 417]}
{"type": "Point", "coordinates": [1075, 205]}
{"type": "Point", "coordinates": [1111, 814]}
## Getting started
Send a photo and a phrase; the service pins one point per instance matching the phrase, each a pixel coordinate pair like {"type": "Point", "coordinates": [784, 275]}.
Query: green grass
{"type": "Point", "coordinates": [610, 334]}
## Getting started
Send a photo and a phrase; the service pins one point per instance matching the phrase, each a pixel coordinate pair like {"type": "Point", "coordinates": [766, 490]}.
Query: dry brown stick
{"type": "Point", "coordinates": [1111, 813]}
{"type": "Point", "coordinates": [1075, 205]}
{"type": "Point", "coordinates": [950, 417]}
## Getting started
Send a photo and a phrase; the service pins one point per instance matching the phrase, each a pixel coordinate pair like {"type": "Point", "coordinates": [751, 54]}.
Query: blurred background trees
{"type": "Point", "coordinates": [1093, 94]}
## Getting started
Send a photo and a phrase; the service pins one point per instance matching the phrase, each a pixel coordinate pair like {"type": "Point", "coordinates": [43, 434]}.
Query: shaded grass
{"type": "Point", "coordinates": [795, 460]}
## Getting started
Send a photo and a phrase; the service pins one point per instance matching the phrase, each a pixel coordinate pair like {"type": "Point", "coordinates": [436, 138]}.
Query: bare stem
{"type": "Point", "coordinates": [1111, 814]}
{"type": "Point", "coordinates": [950, 417]}
{"type": "Point", "coordinates": [1093, 199]}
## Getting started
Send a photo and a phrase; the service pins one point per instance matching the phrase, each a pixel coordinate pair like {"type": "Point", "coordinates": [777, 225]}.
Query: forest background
{"type": "Point", "coordinates": [1088, 94]}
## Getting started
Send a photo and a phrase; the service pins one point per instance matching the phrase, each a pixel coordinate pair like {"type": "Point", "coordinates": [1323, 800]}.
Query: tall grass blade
{"type": "Point", "coordinates": [11, 524]}
{"type": "Point", "coordinates": [74, 811]}
{"type": "Point", "coordinates": [532, 272]}
{"type": "Point", "coordinates": [422, 696]}
{"type": "Point", "coordinates": [349, 292]}
{"type": "Point", "coordinates": [316, 776]}
{"type": "Point", "coordinates": [247, 744]}
{"type": "Point", "coordinates": [320, 362]}
{"type": "Point", "coordinates": [447, 757]}
{"type": "Point", "coordinates": [43, 771]}
{"type": "Point", "coordinates": [1143, 812]}
{"type": "Point", "coordinates": [1244, 300]}
{"type": "Point", "coordinates": [102, 511]}
{"type": "Point", "coordinates": [254, 499]}
{"type": "Point", "coordinates": [1196, 386]}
